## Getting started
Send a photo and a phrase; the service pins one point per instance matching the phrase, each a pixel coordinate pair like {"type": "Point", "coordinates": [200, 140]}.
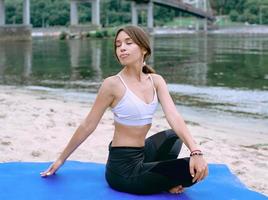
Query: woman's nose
{"type": "Point", "coordinates": [122, 48]}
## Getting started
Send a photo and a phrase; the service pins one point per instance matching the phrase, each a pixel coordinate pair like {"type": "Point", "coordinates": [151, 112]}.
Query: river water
{"type": "Point", "coordinates": [225, 75]}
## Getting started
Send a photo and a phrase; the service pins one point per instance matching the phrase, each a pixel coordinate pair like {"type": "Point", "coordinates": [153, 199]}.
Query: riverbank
{"type": "Point", "coordinates": [36, 125]}
{"type": "Point", "coordinates": [157, 31]}
{"type": "Point", "coordinates": [229, 30]}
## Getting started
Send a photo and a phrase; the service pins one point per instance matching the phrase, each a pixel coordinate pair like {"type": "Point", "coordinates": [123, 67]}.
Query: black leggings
{"type": "Point", "coordinates": [150, 169]}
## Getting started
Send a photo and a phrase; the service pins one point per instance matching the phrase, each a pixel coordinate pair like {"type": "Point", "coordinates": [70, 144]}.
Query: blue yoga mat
{"type": "Point", "coordinates": [84, 181]}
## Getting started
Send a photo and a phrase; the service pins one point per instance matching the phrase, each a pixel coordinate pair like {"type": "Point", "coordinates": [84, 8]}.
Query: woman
{"type": "Point", "coordinates": [135, 164]}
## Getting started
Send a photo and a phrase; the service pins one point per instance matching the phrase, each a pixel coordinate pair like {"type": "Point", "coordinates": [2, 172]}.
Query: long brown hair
{"type": "Point", "coordinates": [138, 36]}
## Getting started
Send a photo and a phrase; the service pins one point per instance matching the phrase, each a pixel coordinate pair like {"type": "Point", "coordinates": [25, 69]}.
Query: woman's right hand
{"type": "Point", "coordinates": [52, 169]}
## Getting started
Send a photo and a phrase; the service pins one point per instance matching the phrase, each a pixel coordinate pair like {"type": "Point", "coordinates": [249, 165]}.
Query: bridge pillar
{"type": "Point", "coordinates": [74, 17]}
{"type": "Point", "coordinates": [205, 20]}
{"type": "Point", "coordinates": [135, 7]}
{"type": "Point", "coordinates": [150, 15]}
{"type": "Point", "coordinates": [26, 12]}
{"type": "Point", "coordinates": [2, 13]}
{"type": "Point", "coordinates": [95, 12]}
{"type": "Point", "coordinates": [134, 13]}
{"type": "Point", "coordinates": [202, 4]}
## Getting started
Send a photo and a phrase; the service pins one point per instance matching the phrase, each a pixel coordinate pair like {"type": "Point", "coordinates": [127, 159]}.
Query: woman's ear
{"type": "Point", "coordinates": [144, 53]}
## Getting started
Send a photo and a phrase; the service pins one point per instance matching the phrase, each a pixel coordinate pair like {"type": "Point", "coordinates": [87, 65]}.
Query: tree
{"type": "Point", "coordinates": [116, 12]}
{"type": "Point", "coordinates": [252, 11]}
{"type": "Point", "coordinates": [13, 12]}
{"type": "Point", "coordinates": [234, 15]}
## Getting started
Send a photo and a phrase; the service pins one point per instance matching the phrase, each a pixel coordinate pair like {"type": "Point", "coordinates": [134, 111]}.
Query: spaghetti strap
{"type": "Point", "coordinates": [120, 77]}
{"type": "Point", "coordinates": [151, 80]}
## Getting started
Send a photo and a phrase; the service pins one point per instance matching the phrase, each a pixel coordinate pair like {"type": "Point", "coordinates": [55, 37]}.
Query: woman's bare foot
{"type": "Point", "coordinates": [176, 190]}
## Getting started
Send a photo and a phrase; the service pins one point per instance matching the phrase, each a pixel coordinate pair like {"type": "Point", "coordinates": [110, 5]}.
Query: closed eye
{"type": "Point", "coordinates": [118, 44]}
{"type": "Point", "coordinates": [128, 41]}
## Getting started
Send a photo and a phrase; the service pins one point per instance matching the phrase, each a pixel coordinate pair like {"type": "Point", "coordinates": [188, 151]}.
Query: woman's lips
{"type": "Point", "coordinates": [123, 55]}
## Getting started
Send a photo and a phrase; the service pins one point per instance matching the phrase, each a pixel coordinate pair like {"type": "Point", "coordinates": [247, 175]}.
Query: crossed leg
{"type": "Point", "coordinates": [166, 146]}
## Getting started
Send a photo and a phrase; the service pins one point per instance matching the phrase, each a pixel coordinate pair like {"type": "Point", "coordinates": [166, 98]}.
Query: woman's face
{"type": "Point", "coordinates": [127, 51]}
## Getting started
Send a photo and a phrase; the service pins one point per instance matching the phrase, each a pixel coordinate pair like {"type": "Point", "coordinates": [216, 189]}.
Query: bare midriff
{"type": "Point", "coordinates": [130, 136]}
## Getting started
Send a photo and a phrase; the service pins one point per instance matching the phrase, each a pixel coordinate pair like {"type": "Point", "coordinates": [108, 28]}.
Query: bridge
{"type": "Point", "coordinates": [198, 8]}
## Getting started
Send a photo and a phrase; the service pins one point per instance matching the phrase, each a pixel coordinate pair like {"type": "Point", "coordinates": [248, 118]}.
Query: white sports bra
{"type": "Point", "coordinates": [133, 111]}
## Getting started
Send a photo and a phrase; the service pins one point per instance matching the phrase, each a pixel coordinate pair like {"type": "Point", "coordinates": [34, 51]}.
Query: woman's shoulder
{"type": "Point", "coordinates": [110, 82]}
{"type": "Point", "coordinates": [111, 85]}
{"type": "Point", "coordinates": [157, 78]}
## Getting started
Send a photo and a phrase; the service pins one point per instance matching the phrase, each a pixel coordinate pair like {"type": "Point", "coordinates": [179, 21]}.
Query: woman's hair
{"type": "Point", "coordinates": [141, 39]}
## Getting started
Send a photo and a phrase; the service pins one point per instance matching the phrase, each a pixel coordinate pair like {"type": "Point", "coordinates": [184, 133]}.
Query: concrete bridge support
{"type": "Point", "coordinates": [74, 14]}
{"type": "Point", "coordinates": [2, 13]}
{"type": "Point", "coordinates": [15, 32]}
{"type": "Point", "coordinates": [26, 12]}
{"type": "Point", "coordinates": [202, 4]}
{"type": "Point", "coordinates": [135, 7]}
{"type": "Point", "coordinates": [95, 11]}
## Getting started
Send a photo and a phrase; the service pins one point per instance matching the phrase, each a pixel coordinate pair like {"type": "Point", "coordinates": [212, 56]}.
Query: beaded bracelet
{"type": "Point", "coordinates": [196, 153]}
{"type": "Point", "coordinates": [195, 150]}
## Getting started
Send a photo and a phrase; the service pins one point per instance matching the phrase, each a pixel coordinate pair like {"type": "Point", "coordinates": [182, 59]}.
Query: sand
{"type": "Point", "coordinates": [35, 126]}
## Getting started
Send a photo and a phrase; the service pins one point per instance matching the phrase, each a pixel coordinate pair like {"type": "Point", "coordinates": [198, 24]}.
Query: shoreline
{"type": "Point", "coordinates": [36, 125]}
{"type": "Point", "coordinates": [228, 30]}
{"type": "Point", "coordinates": [169, 31]}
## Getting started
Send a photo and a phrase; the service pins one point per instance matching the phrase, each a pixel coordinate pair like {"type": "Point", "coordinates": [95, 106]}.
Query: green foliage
{"type": "Point", "coordinates": [49, 13]}
{"type": "Point", "coordinates": [105, 32]}
{"type": "Point", "coordinates": [116, 12]}
{"type": "Point", "coordinates": [223, 7]}
{"type": "Point", "coordinates": [84, 12]}
{"type": "Point", "coordinates": [13, 12]}
{"type": "Point", "coordinates": [251, 11]}
{"type": "Point", "coordinates": [63, 35]}
{"type": "Point", "coordinates": [99, 34]}
{"type": "Point", "coordinates": [234, 15]}
{"type": "Point", "coordinates": [163, 14]}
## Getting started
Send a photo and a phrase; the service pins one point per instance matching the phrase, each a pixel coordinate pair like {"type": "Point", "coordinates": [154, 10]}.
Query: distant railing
{"type": "Point", "coordinates": [186, 6]}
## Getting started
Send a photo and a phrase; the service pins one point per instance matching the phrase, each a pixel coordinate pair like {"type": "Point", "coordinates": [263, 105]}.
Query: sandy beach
{"type": "Point", "coordinates": [36, 125]}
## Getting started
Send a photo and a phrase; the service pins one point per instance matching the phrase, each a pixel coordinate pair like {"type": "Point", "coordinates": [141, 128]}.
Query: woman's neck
{"type": "Point", "coordinates": [134, 72]}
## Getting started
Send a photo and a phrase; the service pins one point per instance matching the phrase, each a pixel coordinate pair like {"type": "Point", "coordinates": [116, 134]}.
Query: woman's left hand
{"type": "Point", "coordinates": [198, 168]}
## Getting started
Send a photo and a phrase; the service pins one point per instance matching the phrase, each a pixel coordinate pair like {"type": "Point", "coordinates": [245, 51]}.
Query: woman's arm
{"type": "Point", "coordinates": [198, 166]}
{"type": "Point", "coordinates": [102, 102]}
{"type": "Point", "coordinates": [174, 119]}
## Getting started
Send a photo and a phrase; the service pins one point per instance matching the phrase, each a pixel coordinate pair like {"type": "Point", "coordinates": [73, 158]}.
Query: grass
{"type": "Point", "coordinates": [221, 21]}
{"type": "Point", "coordinates": [182, 21]}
